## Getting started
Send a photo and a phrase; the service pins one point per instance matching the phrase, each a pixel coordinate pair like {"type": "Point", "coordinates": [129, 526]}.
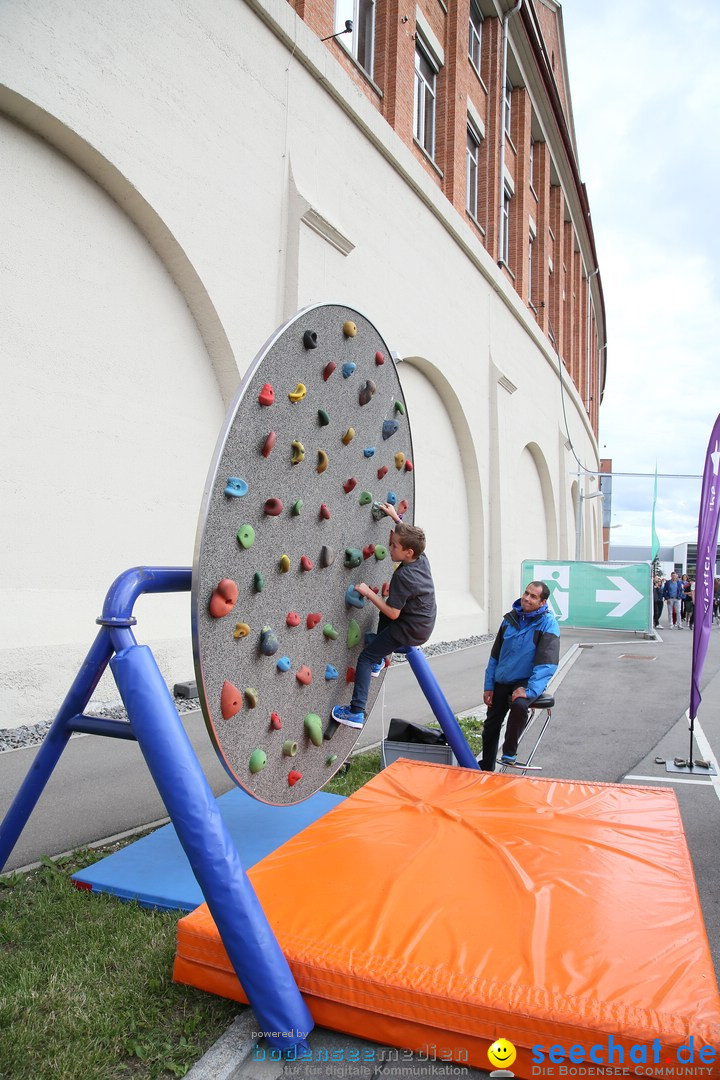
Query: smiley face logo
{"type": "Point", "coordinates": [502, 1054]}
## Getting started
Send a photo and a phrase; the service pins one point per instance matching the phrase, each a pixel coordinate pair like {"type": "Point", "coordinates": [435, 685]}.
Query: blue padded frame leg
{"type": "Point", "coordinates": [439, 705]}
{"type": "Point", "coordinates": [153, 720]}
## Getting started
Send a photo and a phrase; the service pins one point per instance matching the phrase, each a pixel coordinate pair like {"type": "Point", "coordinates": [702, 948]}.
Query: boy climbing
{"type": "Point", "coordinates": [407, 617]}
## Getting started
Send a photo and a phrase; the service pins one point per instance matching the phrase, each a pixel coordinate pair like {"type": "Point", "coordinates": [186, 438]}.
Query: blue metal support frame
{"type": "Point", "coordinates": [153, 720]}
{"type": "Point", "coordinates": [439, 705]}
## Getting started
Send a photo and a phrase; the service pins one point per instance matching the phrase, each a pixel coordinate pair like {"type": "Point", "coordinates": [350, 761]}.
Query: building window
{"type": "Point", "coordinates": [475, 35]}
{"type": "Point", "coordinates": [531, 243]}
{"type": "Point", "coordinates": [504, 256]}
{"type": "Point", "coordinates": [471, 171]}
{"type": "Point", "coordinates": [508, 104]}
{"type": "Point", "coordinates": [425, 92]}
{"type": "Point", "coordinates": [361, 42]}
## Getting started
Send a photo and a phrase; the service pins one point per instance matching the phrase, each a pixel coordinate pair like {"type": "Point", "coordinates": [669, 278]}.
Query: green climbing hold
{"type": "Point", "coordinates": [331, 759]}
{"type": "Point", "coordinates": [399, 408]}
{"type": "Point", "coordinates": [380, 552]}
{"type": "Point", "coordinates": [313, 726]}
{"type": "Point", "coordinates": [323, 418]}
{"type": "Point", "coordinates": [353, 557]}
{"type": "Point", "coordinates": [246, 536]}
{"type": "Point", "coordinates": [297, 507]}
{"type": "Point", "coordinates": [330, 632]}
{"type": "Point", "coordinates": [365, 498]}
{"type": "Point", "coordinates": [258, 581]}
{"type": "Point", "coordinates": [258, 760]}
{"type": "Point", "coordinates": [354, 634]}
{"type": "Point", "coordinates": [290, 748]}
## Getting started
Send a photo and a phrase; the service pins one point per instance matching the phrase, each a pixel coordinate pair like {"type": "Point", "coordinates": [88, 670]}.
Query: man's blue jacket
{"type": "Point", "coordinates": [673, 590]}
{"type": "Point", "coordinates": [527, 646]}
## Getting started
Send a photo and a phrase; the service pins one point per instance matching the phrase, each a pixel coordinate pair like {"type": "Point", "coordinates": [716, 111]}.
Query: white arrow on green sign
{"type": "Point", "coordinates": [606, 595]}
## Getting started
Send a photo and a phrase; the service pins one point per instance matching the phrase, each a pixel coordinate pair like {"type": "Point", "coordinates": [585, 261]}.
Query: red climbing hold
{"type": "Point", "coordinates": [324, 512]}
{"type": "Point", "coordinates": [266, 395]}
{"type": "Point", "coordinates": [408, 465]}
{"type": "Point", "coordinates": [273, 507]}
{"type": "Point", "coordinates": [293, 777]}
{"type": "Point", "coordinates": [381, 471]}
{"type": "Point", "coordinates": [224, 598]}
{"type": "Point", "coordinates": [230, 700]}
{"type": "Point", "coordinates": [350, 675]}
{"type": "Point", "coordinates": [304, 675]}
{"type": "Point", "coordinates": [293, 619]}
{"type": "Point", "coordinates": [349, 485]}
{"type": "Point", "coordinates": [379, 358]}
{"type": "Point", "coordinates": [305, 563]}
{"type": "Point", "coordinates": [368, 551]}
{"type": "Point", "coordinates": [403, 507]}
{"type": "Point", "coordinates": [328, 370]}
{"type": "Point", "coordinates": [386, 588]}
{"type": "Point", "coordinates": [269, 444]}
{"type": "Point", "coordinates": [275, 721]}
{"type": "Point", "coordinates": [313, 619]}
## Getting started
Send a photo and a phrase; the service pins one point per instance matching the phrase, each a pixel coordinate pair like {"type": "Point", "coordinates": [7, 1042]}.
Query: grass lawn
{"type": "Point", "coordinates": [86, 984]}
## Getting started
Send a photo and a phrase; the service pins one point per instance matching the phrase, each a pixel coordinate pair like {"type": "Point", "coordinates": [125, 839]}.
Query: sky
{"type": "Point", "coordinates": [645, 88]}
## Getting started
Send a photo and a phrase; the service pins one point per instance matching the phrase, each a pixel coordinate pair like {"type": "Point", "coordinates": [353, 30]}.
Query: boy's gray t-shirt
{"type": "Point", "coordinates": [413, 591]}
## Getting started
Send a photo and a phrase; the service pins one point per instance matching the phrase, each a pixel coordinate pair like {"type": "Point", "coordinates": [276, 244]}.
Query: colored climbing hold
{"type": "Point", "coordinates": [377, 512]}
{"type": "Point", "coordinates": [305, 563]}
{"type": "Point", "coordinates": [223, 599]}
{"type": "Point", "coordinates": [368, 551]}
{"type": "Point", "coordinates": [258, 760]}
{"type": "Point", "coordinates": [258, 581]}
{"type": "Point", "coordinates": [236, 487]}
{"type": "Point", "coordinates": [284, 564]}
{"type": "Point", "coordinates": [391, 498]}
{"type": "Point", "coordinates": [379, 358]}
{"type": "Point", "coordinates": [330, 673]}
{"type": "Point", "coordinates": [350, 675]}
{"type": "Point", "coordinates": [328, 370]}
{"type": "Point", "coordinates": [273, 507]}
{"type": "Point", "coordinates": [380, 552]}
{"type": "Point", "coordinates": [402, 507]}
{"type": "Point", "coordinates": [323, 418]}
{"type": "Point", "coordinates": [241, 630]}
{"type": "Point", "coordinates": [399, 459]}
{"type": "Point", "coordinates": [385, 591]}
{"type": "Point", "coordinates": [269, 643]}
{"type": "Point", "coordinates": [313, 619]}
{"type": "Point", "coordinates": [313, 727]}
{"type": "Point", "coordinates": [353, 597]}
{"type": "Point", "coordinates": [381, 471]}
{"type": "Point", "coordinates": [266, 395]}
{"type": "Point", "coordinates": [298, 452]}
{"type": "Point", "coordinates": [293, 619]}
{"type": "Point", "coordinates": [349, 329]}
{"type": "Point", "coordinates": [322, 462]}
{"type": "Point", "coordinates": [365, 498]}
{"type": "Point", "coordinates": [298, 393]}
{"type": "Point", "coordinates": [268, 444]}
{"type": "Point", "coordinates": [327, 555]}
{"type": "Point", "coordinates": [353, 634]}
{"type": "Point", "coordinates": [251, 697]}
{"type": "Point", "coordinates": [293, 777]}
{"type": "Point", "coordinates": [408, 465]}
{"type": "Point", "coordinates": [330, 632]}
{"type": "Point", "coordinates": [296, 507]}
{"type": "Point", "coordinates": [349, 485]}
{"type": "Point", "coordinates": [399, 408]}
{"type": "Point", "coordinates": [289, 748]}
{"type": "Point", "coordinates": [368, 451]}
{"type": "Point", "coordinates": [230, 700]}
{"type": "Point", "coordinates": [367, 391]}
{"type": "Point", "coordinates": [353, 557]}
{"type": "Point", "coordinates": [331, 759]}
{"type": "Point", "coordinates": [324, 511]}
{"type": "Point", "coordinates": [347, 369]}
{"type": "Point", "coordinates": [310, 339]}
{"type": "Point", "coordinates": [304, 675]}
{"type": "Point", "coordinates": [275, 721]}
{"type": "Point", "coordinates": [389, 428]}
{"type": "Point", "coordinates": [375, 589]}
{"type": "Point", "coordinates": [283, 663]}
{"type": "Point", "coordinates": [246, 536]}
{"type": "Point", "coordinates": [348, 436]}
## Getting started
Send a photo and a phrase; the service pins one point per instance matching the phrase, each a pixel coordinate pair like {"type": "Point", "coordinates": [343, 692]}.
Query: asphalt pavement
{"type": "Point", "coordinates": [621, 702]}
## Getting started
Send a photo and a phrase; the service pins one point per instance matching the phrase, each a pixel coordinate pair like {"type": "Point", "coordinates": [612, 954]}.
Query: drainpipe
{"type": "Point", "coordinates": [502, 254]}
{"type": "Point", "coordinates": [588, 364]}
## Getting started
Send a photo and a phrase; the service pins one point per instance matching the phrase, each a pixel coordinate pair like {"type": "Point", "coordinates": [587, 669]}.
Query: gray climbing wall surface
{"type": "Point", "coordinates": [317, 437]}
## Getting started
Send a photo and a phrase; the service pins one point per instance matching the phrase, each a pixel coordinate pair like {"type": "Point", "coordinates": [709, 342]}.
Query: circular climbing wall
{"type": "Point", "coordinates": [316, 439]}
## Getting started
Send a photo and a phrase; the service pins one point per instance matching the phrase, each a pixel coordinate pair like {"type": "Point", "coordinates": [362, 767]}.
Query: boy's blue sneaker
{"type": "Point", "coordinates": [344, 715]}
{"type": "Point", "coordinates": [508, 759]}
{"type": "Point", "coordinates": [377, 668]}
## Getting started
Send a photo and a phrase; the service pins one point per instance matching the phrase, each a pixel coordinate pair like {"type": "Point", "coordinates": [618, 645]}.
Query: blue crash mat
{"type": "Point", "coordinates": [155, 871]}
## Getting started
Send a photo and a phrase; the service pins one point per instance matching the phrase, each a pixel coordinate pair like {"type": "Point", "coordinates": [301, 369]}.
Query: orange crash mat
{"type": "Point", "coordinates": [440, 907]}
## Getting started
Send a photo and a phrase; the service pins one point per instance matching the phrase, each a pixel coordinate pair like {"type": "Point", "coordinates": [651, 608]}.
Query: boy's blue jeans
{"type": "Point", "coordinates": [379, 646]}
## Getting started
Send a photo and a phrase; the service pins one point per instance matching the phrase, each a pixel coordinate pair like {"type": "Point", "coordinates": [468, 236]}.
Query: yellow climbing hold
{"type": "Point", "coordinates": [399, 460]}
{"type": "Point", "coordinates": [241, 630]}
{"type": "Point", "coordinates": [322, 463]}
{"type": "Point", "coordinates": [298, 453]}
{"type": "Point", "coordinates": [298, 393]}
{"type": "Point", "coordinates": [284, 564]}
{"type": "Point", "coordinates": [348, 436]}
{"type": "Point", "coordinates": [349, 328]}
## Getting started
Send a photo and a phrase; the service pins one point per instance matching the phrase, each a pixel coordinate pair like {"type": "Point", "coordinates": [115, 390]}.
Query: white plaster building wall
{"type": "Point", "coordinates": [216, 132]}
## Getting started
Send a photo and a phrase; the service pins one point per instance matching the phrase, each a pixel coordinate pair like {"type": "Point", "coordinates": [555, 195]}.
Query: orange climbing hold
{"type": "Point", "coordinates": [230, 700]}
{"type": "Point", "coordinates": [224, 598]}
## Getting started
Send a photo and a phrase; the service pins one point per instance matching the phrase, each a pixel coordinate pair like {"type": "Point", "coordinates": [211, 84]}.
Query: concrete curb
{"type": "Point", "coordinates": [225, 1059]}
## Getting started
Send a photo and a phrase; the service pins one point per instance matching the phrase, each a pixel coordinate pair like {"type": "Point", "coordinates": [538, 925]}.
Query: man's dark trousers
{"type": "Point", "coordinates": [517, 720]}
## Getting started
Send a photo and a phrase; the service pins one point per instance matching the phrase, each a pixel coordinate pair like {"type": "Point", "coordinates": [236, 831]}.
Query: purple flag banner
{"type": "Point", "coordinates": [708, 519]}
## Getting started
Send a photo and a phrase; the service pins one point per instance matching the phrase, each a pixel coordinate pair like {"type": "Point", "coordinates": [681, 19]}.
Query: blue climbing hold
{"type": "Point", "coordinates": [283, 663]}
{"type": "Point", "coordinates": [353, 597]}
{"type": "Point", "coordinates": [348, 368]}
{"type": "Point", "coordinates": [330, 672]}
{"type": "Point", "coordinates": [392, 498]}
{"type": "Point", "coordinates": [389, 428]}
{"type": "Point", "coordinates": [235, 486]}
{"type": "Point", "coordinates": [369, 451]}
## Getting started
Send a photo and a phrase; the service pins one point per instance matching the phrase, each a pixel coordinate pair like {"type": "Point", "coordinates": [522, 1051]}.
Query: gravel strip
{"type": "Point", "coordinates": [32, 734]}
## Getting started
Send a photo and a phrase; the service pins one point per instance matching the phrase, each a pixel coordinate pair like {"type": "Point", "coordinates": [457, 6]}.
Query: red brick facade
{"type": "Point", "coordinates": [543, 260]}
